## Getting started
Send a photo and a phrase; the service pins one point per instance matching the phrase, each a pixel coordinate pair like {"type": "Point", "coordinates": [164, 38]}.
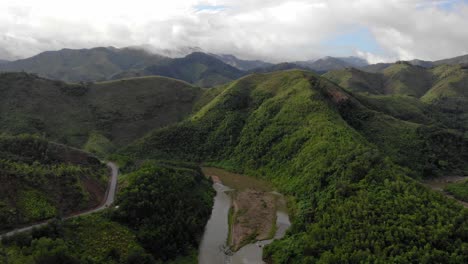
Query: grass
{"type": "Point", "coordinates": [458, 190]}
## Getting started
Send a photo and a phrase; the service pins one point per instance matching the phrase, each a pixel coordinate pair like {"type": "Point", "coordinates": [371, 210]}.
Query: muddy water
{"type": "Point", "coordinates": [213, 244]}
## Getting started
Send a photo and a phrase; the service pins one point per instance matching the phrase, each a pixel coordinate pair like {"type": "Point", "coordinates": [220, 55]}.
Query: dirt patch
{"type": "Point", "coordinates": [96, 192]}
{"type": "Point", "coordinates": [440, 183]}
{"type": "Point", "coordinates": [253, 217]}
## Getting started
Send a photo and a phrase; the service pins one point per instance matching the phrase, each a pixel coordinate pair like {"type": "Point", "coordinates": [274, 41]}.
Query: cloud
{"type": "Point", "coordinates": [266, 29]}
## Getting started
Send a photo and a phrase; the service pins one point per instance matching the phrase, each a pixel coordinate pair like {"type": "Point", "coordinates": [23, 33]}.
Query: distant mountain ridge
{"type": "Point", "coordinates": [95, 64]}
{"type": "Point", "coordinates": [197, 68]}
{"type": "Point", "coordinates": [333, 63]}
{"type": "Point", "coordinates": [244, 65]}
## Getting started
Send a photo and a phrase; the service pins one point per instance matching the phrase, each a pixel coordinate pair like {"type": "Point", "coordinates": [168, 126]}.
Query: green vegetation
{"type": "Point", "coordinates": [197, 68]}
{"type": "Point", "coordinates": [89, 239]}
{"type": "Point", "coordinates": [40, 180]}
{"type": "Point", "coordinates": [167, 207]}
{"type": "Point", "coordinates": [97, 117]}
{"type": "Point", "coordinates": [161, 214]}
{"type": "Point", "coordinates": [459, 190]}
{"type": "Point", "coordinates": [352, 202]}
{"type": "Point", "coordinates": [97, 64]}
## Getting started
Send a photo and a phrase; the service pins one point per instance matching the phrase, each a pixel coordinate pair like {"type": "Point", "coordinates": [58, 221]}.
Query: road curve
{"type": "Point", "coordinates": [109, 200]}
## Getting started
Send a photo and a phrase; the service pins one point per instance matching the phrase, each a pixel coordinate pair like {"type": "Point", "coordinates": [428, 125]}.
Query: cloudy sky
{"type": "Point", "coordinates": [275, 30]}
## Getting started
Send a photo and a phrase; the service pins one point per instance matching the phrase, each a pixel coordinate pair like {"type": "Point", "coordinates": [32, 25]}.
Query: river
{"type": "Point", "coordinates": [213, 244]}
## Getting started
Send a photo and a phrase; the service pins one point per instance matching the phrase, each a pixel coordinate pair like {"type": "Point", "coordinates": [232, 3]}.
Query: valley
{"type": "Point", "coordinates": [350, 151]}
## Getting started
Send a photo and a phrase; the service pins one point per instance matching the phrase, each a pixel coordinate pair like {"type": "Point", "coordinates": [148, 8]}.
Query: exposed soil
{"type": "Point", "coordinates": [253, 217]}
{"type": "Point", "coordinates": [439, 184]}
{"type": "Point", "coordinates": [96, 192]}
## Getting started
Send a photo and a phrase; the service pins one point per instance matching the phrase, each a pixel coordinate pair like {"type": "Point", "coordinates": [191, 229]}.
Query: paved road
{"type": "Point", "coordinates": [109, 200]}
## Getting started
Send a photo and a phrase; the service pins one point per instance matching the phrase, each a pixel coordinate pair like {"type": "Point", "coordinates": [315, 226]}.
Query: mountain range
{"type": "Point", "coordinates": [188, 64]}
{"type": "Point", "coordinates": [348, 148]}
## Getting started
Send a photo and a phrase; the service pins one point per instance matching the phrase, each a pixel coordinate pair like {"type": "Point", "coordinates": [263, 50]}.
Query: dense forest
{"type": "Point", "coordinates": [349, 159]}
{"type": "Point", "coordinates": [160, 215]}
{"type": "Point", "coordinates": [352, 199]}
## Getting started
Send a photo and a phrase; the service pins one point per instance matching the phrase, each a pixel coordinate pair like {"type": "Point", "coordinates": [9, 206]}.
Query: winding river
{"type": "Point", "coordinates": [213, 244]}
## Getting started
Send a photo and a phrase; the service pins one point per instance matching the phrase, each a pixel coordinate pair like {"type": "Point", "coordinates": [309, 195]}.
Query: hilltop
{"type": "Point", "coordinates": [95, 116]}
{"type": "Point", "coordinates": [302, 132]}
{"type": "Point", "coordinates": [197, 68]}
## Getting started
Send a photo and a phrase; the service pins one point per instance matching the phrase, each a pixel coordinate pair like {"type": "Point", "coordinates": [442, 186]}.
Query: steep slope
{"type": "Point", "coordinates": [406, 79]}
{"type": "Point", "coordinates": [357, 81]}
{"type": "Point", "coordinates": [290, 128]}
{"type": "Point", "coordinates": [97, 64]}
{"type": "Point", "coordinates": [197, 68]}
{"type": "Point", "coordinates": [439, 92]}
{"type": "Point", "coordinates": [40, 180]}
{"type": "Point", "coordinates": [399, 79]}
{"type": "Point", "coordinates": [109, 113]}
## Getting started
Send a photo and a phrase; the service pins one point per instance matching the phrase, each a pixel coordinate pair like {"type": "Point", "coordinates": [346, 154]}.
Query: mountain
{"type": "Point", "coordinates": [452, 61]}
{"type": "Point", "coordinates": [42, 180]}
{"type": "Point", "coordinates": [244, 65]}
{"type": "Point", "coordinates": [197, 68]}
{"type": "Point", "coordinates": [174, 52]}
{"type": "Point", "coordinates": [317, 144]}
{"type": "Point", "coordinates": [441, 91]}
{"type": "Point", "coordinates": [379, 67]}
{"type": "Point", "coordinates": [401, 78]}
{"type": "Point", "coordinates": [95, 116]}
{"type": "Point", "coordinates": [333, 63]}
{"type": "Point", "coordinates": [97, 64]}
{"type": "Point", "coordinates": [3, 61]}
{"type": "Point", "coordinates": [278, 67]}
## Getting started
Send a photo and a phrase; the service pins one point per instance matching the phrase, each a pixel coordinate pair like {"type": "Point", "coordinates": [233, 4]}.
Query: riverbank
{"type": "Point", "coordinates": [247, 215]}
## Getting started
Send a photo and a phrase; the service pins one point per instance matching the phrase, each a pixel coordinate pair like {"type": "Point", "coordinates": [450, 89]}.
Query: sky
{"type": "Point", "coordinates": [272, 30]}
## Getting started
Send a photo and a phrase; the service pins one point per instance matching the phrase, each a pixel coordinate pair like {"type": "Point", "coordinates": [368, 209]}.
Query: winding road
{"type": "Point", "coordinates": [108, 201]}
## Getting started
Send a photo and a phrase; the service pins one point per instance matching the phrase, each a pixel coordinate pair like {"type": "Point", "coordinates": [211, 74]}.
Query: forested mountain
{"type": "Point", "coordinates": [440, 90]}
{"type": "Point", "coordinates": [96, 64]}
{"type": "Point", "coordinates": [244, 65]}
{"type": "Point", "coordinates": [197, 68]}
{"type": "Point", "coordinates": [101, 64]}
{"type": "Point", "coordinates": [332, 63]}
{"type": "Point", "coordinates": [320, 145]}
{"type": "Point", "coordinates": [98, 116]}
{"type": "Point", "coordinates": [348, 148]}
{"type": "Point", "coordinates": [379, 67]}
{"type": "Point", "coordinates": [41, 180]}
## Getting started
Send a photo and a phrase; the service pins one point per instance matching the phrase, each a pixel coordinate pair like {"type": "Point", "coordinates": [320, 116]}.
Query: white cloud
{"type": "Point", "coordinates": [267, 29]}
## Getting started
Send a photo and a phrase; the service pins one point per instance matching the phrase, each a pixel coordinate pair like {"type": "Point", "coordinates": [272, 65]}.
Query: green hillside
{"type": "Point", "coordinates": [351, 202]}
{"type": "Point", "coordinates": [41, 180]}
{"type": "Point", "coordinates": [197, 68]}
{"type": "Point", "coordinates": [412, 92]}
{"type": "Point", "coordinates": [98, 116]}
{"type": "Point", "coordinates": [401, 79]}
{"type": "Point", "coordinates": [139, 231]}
{"type": "Point", "coordinates": [96, 64]}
